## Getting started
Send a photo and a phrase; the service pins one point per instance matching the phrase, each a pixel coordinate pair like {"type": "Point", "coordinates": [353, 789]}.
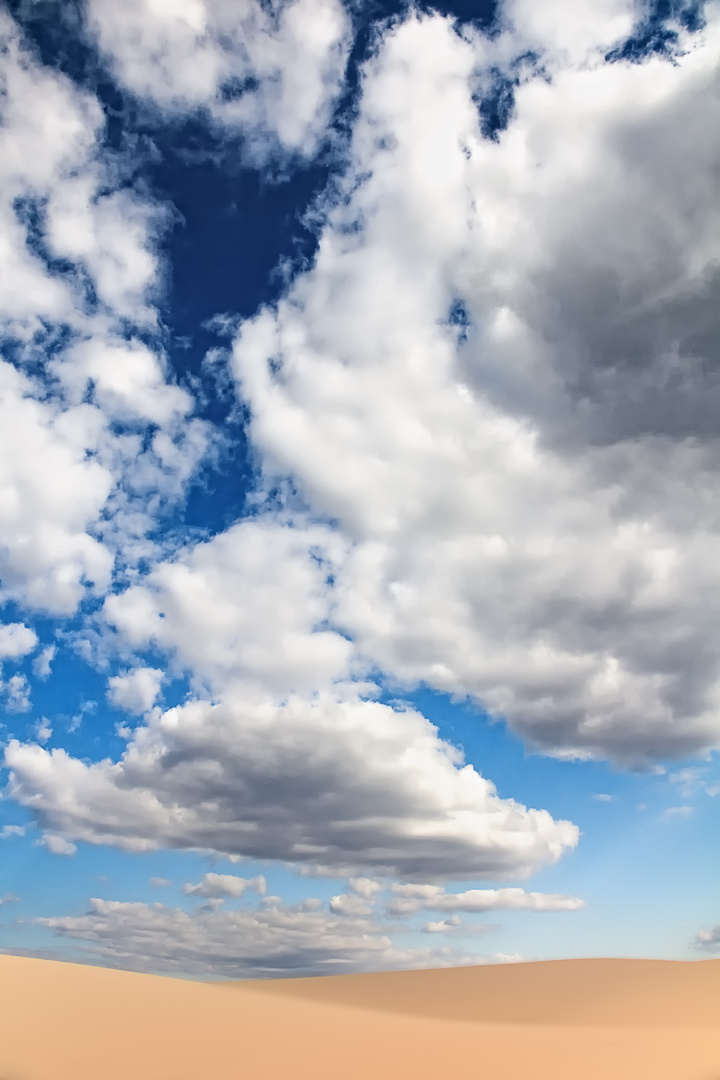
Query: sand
{"type": "Point", "coordinates": [563, 1020]}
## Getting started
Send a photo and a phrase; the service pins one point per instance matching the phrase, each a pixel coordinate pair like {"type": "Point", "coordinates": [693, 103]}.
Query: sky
{"type": "Point", "coordinates": [359, 483]}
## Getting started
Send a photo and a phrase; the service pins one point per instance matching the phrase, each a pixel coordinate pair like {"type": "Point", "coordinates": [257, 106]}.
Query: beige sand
{"type": "Point", "coordinates": [566, 1020]}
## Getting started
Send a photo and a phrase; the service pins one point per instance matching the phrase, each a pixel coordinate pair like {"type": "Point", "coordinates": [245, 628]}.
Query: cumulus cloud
{"type": "Point", "coordinates": [344, 784]}
{"type": "Point", "coordinates": [16, 641]}
{"type": "Point", "coordinates": [11, 830]}
{"type": "Point", "coordinates": [443, 926]}
{"type": "Point", "coordinates": [270, 71]}
{"type": "Point", "coordinates": [349, 904]}
{"type": "Point", "coordinates": [73, 488]}
{"type": "Point", "coordinates": [52, 491]}
{"type": "Point", "coordinates": [273, 941]}
{"type": "Point", "coordinates": [135, 691]}
{"type": "Point", "coordinates": [225, 885]}
{"type": "Point", "coordinates": [365, 887]}
{"type": "Point", "coordinates": [247, 605]}
{"type": "Point", "coordinates": [42, 664]}
{"type": "Point", "coordinates": [57, 845]}
{"type": "Point", "coordinates": [499, 378]}
{"type": "Point", "coordinates": [407, 899]}
{"type": "Point", "coordinates": [16, 693]}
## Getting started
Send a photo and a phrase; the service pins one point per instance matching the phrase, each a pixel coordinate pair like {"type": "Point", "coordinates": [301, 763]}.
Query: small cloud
{"type": "Point", "coordinates": [9, 898]}
{"type": "Point", "coordinates": [225, 885]}
{"type": "Point", "coordinates": [442, 927]}
{"type": "Point", "coordinates": [708, 940]}
{"type": "Point", "coordinates": [43, 731]}
{"type": "Point", "coordinates": [601, 797]}
{"type": "Point", "coordinates": [17, 692]}
{"type": "Point", "coordinates": [349, 904]}
{"type": "Point", "coordinates": [135, 691]}
{"type": "Point", "coordinates": [16, 641]}
{"type": "Point", "coordinates": [677, 813]}
{"type": "Point", "coordinates": [57, 845]}
{"type": "Point", "coordinates": [42, 662]}
{"type": "Point", "coordinates": [365, 887]}
{"type": "Point", "coordinates": [160, 882]}
{"type": "Point", "coordinates": [412, 898]}
{"type": "Point", "coordinates": [87, 708]}
{"type": "Point", "coordinates": [11, 830]}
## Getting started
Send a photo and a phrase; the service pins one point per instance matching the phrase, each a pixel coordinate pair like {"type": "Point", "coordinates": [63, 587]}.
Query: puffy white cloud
{"type": "Point", "coordinates": [16, 640]}
{"type": "Point", "coordinates": [43, 731]}
{"type": "Point", "coordinates": [563, 31]}
{"type": "Point", "coordinates": [51, 490]}
{"type": "Point", "coordinates": [272, 71]}
{"type": "Point", "coordinates": [341, 784]}
{"type": "Point", "coordinates": [499, 379]}
{"type": "Point", "coordinates": [16, 692]}
{"type": "Point", "coordinates": [273, 941]}
{"type": "Point", "coordinates": [73, 489]}
{"type": "Point", "coordinates": [135, 691]}
{"type": "Point", "coordinates": [349, 904]}
{"type": "Point", "coordinates": [128, 381]}
{"type": "Point", "coordinates": [443, 926]}
{"type": "Point", "coordinates": [248, 605]}
{"type": "Point", "coordinates": [225, 885]}
{"type": "Point", "coordinates": [42, 664]}
{"type": "Point", "coordinates": [365, 887]}
{"type": "Point", "coordinates": [57, 845]}
{"type": "Point", "coordinates": [408, 899]}
{"type": "Point", "coordinates": [11, 830]}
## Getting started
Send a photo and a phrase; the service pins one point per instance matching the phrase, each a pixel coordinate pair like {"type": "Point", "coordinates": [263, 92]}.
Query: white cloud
{"type": "Point", "coordinates": [57, 845]}
{"type": "Point", "coordinates": [11, 830]}
{"type": "Point", "coordinates": [43, 731]}
{"type": "Point", "coordinates": [340, 783]}
{"type": "Point", "coordinates": [225, 885]}
{"type": "Point", "coordinates": [52, 490]}
{"type": "Point", "coordinates": [72, 489]}
{"type": "Point", "coordinates": [529, 507]}
{"type": "Point", "coordinates": [411, 898]}
{"type": "Point", "coordinates": [364, 887]}
{"type": "Point", "coordinates": [444, 926]}
{"type": "Point", "coordinates": [602, 797]}
{"type": "Point", "coordinates": [42, 664]}
{"type": "Point", "coordinates": [567, 31]}
{"type": "Point", "coordinates": [16, 692]}
{"type": "Point", "coordinates": [16, 641]}
{"type": "Point", "coordinates": [677, 813]}
{"type": "Point", "coordinates": [135, 691]}
{"type": "Point", "coordinates": [272, 72]}
{"type": "Point", "coordinates": [350, 904]}
{"type": "Point", "coordinates": [272, 941]}
{"type": "Point", "coordinates": [243, 606]}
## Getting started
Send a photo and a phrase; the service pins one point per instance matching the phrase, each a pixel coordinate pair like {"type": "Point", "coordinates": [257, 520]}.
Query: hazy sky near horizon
{"type": "Point", "coordinates": [359, 482]}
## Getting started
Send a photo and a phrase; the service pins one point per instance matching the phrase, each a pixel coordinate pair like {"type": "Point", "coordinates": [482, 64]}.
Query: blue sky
{"type": "Point", "coordinates": [358, 483]}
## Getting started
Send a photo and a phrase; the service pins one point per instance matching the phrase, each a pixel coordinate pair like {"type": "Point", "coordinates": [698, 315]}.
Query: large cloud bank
{"type": "Point", "coordinates": [500, 380]}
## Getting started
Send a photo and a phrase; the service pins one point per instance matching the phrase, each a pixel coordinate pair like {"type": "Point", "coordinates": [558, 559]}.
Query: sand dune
{"type": "Point", "coordinates": [565, 1020]}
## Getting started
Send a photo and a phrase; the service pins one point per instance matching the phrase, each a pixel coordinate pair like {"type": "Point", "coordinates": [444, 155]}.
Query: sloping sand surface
{"type": "Point", "coordinates": [570, 1020]}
